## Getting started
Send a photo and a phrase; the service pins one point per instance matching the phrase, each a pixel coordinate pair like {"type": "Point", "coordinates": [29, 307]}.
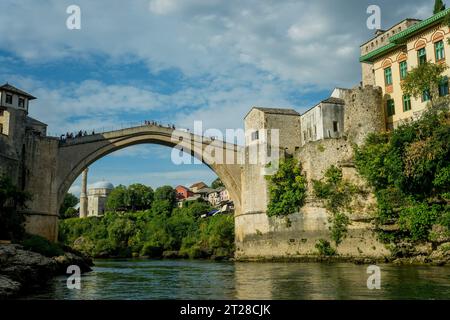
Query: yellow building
{"type": "Point", "coordinates": [387, 58]}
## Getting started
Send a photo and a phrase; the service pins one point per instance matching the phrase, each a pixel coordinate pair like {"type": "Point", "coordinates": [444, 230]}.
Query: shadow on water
{"type": "Point", "coordinates": [185, 279]}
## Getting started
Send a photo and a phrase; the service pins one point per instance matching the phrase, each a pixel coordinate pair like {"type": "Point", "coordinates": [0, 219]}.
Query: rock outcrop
{"type": "Point", "coordinates": [22, 270]}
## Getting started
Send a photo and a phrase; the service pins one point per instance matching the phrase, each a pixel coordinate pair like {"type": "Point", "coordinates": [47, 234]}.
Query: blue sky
{"type": "Point", "coordinates": [177, 61]}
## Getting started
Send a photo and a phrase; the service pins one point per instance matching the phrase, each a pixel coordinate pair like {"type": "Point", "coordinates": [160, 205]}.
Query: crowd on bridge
{"type": "Point", "coordinates": [71, 135]}
{"type": "Point", "coordinates": [81, 133]}
{"type": "Point", "coordinates": [155, 123]}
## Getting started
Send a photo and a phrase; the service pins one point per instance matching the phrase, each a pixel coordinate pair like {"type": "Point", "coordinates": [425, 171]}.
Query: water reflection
{"type": "Point", "coordinates": [165, 279]}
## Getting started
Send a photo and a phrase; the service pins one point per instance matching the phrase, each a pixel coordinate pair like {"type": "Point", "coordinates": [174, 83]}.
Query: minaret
{"type": "Point", "coordinates": [83, 195]}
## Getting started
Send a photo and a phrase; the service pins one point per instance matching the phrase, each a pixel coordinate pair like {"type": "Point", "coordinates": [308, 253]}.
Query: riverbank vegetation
{"type": "Point", "coordinates": [163, 230]}
{"type": "Point", "coordinates": [409, 171]}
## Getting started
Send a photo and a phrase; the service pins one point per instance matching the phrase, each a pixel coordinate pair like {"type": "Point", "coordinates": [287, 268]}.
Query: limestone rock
{"type": "Point", "coordinates": [8, 287]}
{"type": "Point", "coordinates": [69, 259]}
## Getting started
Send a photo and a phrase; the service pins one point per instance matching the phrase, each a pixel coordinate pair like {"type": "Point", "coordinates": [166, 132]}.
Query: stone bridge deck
{"type": "Point", "coordinates": [76, 154]}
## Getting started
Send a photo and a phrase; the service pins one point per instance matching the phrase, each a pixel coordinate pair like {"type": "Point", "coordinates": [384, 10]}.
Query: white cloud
{"type": "Point", "coordinates": [162, 6]}
{"type": "Point", "coordinates": [233, 56]}
{"type": "Point", "coordinates": [198, 37]}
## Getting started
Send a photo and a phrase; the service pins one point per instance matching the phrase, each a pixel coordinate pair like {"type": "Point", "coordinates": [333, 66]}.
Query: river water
{"type": "Point", "coordinates": [185, 279]}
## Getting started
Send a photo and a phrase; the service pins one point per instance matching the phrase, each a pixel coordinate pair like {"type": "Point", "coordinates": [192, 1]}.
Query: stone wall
{"type": "Point", "coordinates": [364, 113]}
{"type": "Point", "coordinates": [40, 170]}
{"type": "Point", "coordinates": [258, 236]}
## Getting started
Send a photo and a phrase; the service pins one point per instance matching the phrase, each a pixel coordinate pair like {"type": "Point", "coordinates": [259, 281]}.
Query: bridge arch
{"type": "Point", "coordinates": [75, 155]}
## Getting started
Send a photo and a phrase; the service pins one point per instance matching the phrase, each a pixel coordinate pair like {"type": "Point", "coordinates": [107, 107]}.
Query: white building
{"type": "Point", "coordinates": [325, 120]}
{"type": "Point", "coordinates": [97, 195]}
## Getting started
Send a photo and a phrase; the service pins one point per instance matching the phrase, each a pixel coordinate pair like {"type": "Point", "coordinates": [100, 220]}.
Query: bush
{"type": "Point", "coordinates": [41, 245]}
{"type": "Point", "coordinates": [287, 189]}
{"type": "Point", "coordinates": [152, 232]}
{"type": "Point", "coordinates": [418, 220]}
{"type": "Point", "coordinates": [338, 228]}
{"type": "Point", "coordinates": [11, 201]}
{"type": "Point", "coordinates": [152, 250]}
{"type": "Point", "coordinates": [409, 170]}
{"type": "Point", "coordinates": [325, 249]}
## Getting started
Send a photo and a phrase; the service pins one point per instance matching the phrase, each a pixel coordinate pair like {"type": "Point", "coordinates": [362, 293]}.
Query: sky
{"type": "Point", "coordinates": [180, 61]}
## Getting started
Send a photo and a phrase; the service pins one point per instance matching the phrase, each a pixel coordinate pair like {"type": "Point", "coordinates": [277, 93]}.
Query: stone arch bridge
{"type": "Point", "coordinates": [71, 157]}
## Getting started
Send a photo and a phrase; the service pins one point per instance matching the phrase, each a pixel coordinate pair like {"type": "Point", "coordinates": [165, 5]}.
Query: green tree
{"type": "Point", "coordinates": [12, 200]}
{"type": "Point", "coordinates": [409, 170]}
{"type": "Point", "coordinates": [166, 193]}
{"type": "Point", "coordinates": [287, 189]}
{"type": "Point", "coordinates": [217, 184]}
{"type": "Point", "coordinates": [70, 201]}
{"type": "Point", "coordinates": [424, 79]}
{"type": "Point", "coordinates": [140, 197]}
{"type": "Point", "coordinates": [162, 208]}
{"type": "Point", "coordinates": [118, 199]}
{"type": "Point", "coordinates": [70, 213]}
{"type": "Point", "coordinates": [438, 6]}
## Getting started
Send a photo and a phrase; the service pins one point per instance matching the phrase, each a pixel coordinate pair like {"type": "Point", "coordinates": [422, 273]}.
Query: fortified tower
{"type": "Point", "coordinates": [14, 127]}
{"type": "Point", "coordinates": [270, 135]}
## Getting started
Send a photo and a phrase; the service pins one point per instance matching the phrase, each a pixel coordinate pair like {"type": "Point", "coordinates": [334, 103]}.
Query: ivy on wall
{"type": "Point", "coordinates": [287, 189]}
{"type": "Point", "coordinates": [337, 195]}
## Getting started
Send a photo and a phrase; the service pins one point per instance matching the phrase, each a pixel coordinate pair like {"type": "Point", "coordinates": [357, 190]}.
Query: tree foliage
{"type": "Point", "coordinates": [118, 199]}
{"type": "Point", "coordinates": [153, 232]}
{"type": "Point", "coordinates": [287, 189]}
{"type": "Point", "coordinates": [217, 184]}
{"type": "Point", "coordinates": [409, 172]}
{"type": "Point", "coordinates": [166, 193]}
{"type": "Point", "coordinates": [140, 197]}
{"type": "Point", "coordinates": [67, 210]}
{"type": "Point", "coordinates": [438, 6]}
{"type": "Point", "coordinates": [12, 200]}
{"type": "Point", "coordinates": [338, 195]}
{"type": "Point", "coordinates": [424, 78]}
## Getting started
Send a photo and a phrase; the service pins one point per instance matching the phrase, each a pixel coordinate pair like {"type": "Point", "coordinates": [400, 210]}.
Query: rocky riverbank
{"type": "Point", "coordinates": [403, 254]}
{"type": "Point", "coordinates": [23, 271]}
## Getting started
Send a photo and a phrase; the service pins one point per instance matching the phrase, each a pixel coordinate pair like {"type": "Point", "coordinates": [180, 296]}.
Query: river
{"type": "Point", "coordinates": [185, 279]}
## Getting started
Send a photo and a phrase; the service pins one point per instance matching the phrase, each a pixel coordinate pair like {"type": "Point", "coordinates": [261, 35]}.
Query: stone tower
{"type": "Point", "coordinates": [83, 195]}
{"type": "Point", "coordinates": [274, 133]}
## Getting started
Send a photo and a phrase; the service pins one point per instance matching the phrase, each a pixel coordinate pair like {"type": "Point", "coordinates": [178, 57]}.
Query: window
{"type": "Point", "coordinates": [21, 102]}
{"type": "Point", "coordinates": [390, 107]}
{"type": "Point", "coordinates": [8, 99]}
{"type": "Point", "coordinates": [439, 50]}
{"type": "Point", "coordinates": [388, 76]}
{"type": "Point", "coordinates": [315, 131]}
{"type": "Point", "coordinates": [403, 69]}
{"type": "Point", "coordinates": [422, 56]}
{"type": "Point", "coordinates": [406, 102]}
{"type": "Point", "coordinates": [335, 126]}
{"type": "Point", "coordinates": [443, 87]}
{"type": "Point", "coordinates": [426, 96]}
{"type": "Point", "coordinates": [255, 135]}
